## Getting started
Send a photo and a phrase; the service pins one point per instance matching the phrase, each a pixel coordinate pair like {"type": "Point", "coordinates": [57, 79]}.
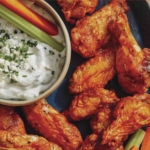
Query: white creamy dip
{"type": "Point", "coordinates": [27, 66]}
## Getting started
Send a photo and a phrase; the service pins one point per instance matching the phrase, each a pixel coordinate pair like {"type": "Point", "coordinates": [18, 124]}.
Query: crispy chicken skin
{"type": "Point", "coordinates": [91, 33]}
{"type": "Point", "coordinates": [10, 120]}
{"type": "Point", "coordinates": [77, 9]}
{"type": "Point", "coordinates": [13, 141]}
{"type": "Point", "coordinates": [53, 125]}
{"type": "Point", "coordinates": [98, 123]}
{"type": "Point", "coordinates": [93, 142]}
{"type": "Point", "coordinates": [132, 64]}
{"type": "Point", "coordinates": [102, 119]}
{"type": "Point", "coordinates": [89, 102]}
{"type": "Point", "coordinates": [130, 114]}
{"type": "Point", "coordinates": [94, 72]}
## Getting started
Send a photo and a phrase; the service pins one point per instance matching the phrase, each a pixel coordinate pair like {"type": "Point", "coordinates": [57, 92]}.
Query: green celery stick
{"type": "Point", "coordinates": [29, 28]}
{"type": "Point", "coordinates": [135, 139]}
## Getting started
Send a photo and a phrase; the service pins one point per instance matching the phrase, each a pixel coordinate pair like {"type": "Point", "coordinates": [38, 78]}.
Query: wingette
{"type": "Point", "coordinates": [29, 28]}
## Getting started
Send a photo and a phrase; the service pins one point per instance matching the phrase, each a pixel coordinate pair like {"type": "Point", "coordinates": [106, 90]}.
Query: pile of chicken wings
{"type": "Point", "coordinates": [104, 38]}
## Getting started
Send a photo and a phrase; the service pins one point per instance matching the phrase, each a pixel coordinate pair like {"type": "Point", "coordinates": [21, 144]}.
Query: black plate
{"type": "Point", "coordinates": [139, 19]}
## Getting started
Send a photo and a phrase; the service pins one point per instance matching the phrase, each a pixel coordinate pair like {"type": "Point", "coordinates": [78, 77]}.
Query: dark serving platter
{"type": "Point", "coordinates": [139, 19]}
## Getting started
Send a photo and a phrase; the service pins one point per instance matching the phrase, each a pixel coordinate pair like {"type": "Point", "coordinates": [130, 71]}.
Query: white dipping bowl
{"type": "Point", "coordinates": [62, 75]}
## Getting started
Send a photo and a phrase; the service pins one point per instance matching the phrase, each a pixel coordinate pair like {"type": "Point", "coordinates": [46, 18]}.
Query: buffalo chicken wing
{"type": "Point", "coordinates": [14, 141]}
{"type": "Point", "coordinates": [95, 72]}
{"type": "Point", "coordinates": [130, 114]}
{"type": "Point", "coordinates": [10, 121]}
{"type": "Point", "coordinates": [77, 9]}
{"type": "Point", "coordinates": [88, 103]}
{"type": "Point", "coordinates": [53, 125]}
{"type": "Point", "coordinates": [132, 64]}
{"type": "Point", "coordinates": [91, 33]}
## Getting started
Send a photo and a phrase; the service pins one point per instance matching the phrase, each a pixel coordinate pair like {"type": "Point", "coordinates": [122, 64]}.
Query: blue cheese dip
{"type": "Point", "coordinates": [27, 67]}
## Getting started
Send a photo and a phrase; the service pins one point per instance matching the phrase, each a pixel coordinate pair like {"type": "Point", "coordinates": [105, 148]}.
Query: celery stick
{"type": "Point", "coordinates": [135, 139]}
{"type": "Point", "coordinates": [29, 28]}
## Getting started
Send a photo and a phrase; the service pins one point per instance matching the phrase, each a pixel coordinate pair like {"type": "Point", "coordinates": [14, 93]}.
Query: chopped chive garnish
{"type": "Point", "coordinates": [6, 37]}
{"type": "Point", "coordinates": [14, 57]}
{"type": "Point", "coordinates": [24, 76]}
{"type": "Point", "coordinates": [51, 52]}
{"type": "Point", "coordinates": [8, 68]}
{"type": "Point", "coordinates": [35, 43]}
{"type": "Point", "coordinates": [5, 72]}
{"type": "Point", "coordinates": [15, 32]}
{"type": "Point", "coordinates": [2, 55]}
{"type": "Point", "coordinates": [7, 57]}
{"type": "Point", "coordinates": [2, 66]}
{"type": "Point", "coordinates": [15, 72]}
{"type": "Point", "coordinates": [13, 81]}
{"type": "Point", "coordinates": [22, 40]}
{"type": "Point", "coordinates": [2, 31]}
{"type": "Point", "coordinates": [32, 44]}
{"type": "Point", "coordinates": [17, 48]}
{"type": "Point", "coordinates": [24, 48]}
{"type": "Point", "coordinates": [53, 72]}
{"type": "Point", "coordinates": [21, 32]}
{"type": "Point", "coordinates": [25, 55]}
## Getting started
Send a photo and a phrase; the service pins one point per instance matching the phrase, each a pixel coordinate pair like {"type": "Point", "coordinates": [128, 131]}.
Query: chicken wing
{"type": "Point", "coordinates": [102, 119]}
{"type": "Point", "coordinates": [10, 120]}
{"type": "Point", "coordinates": [132, 64]}
{"type": "Point", "coordinates": [53, 125]}
{"type": "Point", "coordinates": [77, 9]}
{"type": "Point", "coordinates": [89, 102]}
{"type": "Point", "coordinates": [130, 114]}
{"type": "Point", "coordinates": [91, 33]}
{"type": "Point", "coordinates": [13, 141]}
{"type": "Point", "coordinates": [95, 72]}
{"type": "Point", "coordinates": [99, 123]}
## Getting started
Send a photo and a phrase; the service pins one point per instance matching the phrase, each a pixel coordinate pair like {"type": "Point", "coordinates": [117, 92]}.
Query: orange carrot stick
{"type": "Point", "coordinates": [134, 148]}
{"type": "Point", "coordinates": [146, 140]}
{"type": "Point", "coordinates": [17, 7]}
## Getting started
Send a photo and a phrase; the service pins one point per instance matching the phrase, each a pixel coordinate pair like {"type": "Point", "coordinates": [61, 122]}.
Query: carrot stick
{"type": "Point", "coordinates": [146, 140]}
{"type": "Point", "coordinates": [31, 16]}
{"type": "Point", "coordinates": [134, 148]}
